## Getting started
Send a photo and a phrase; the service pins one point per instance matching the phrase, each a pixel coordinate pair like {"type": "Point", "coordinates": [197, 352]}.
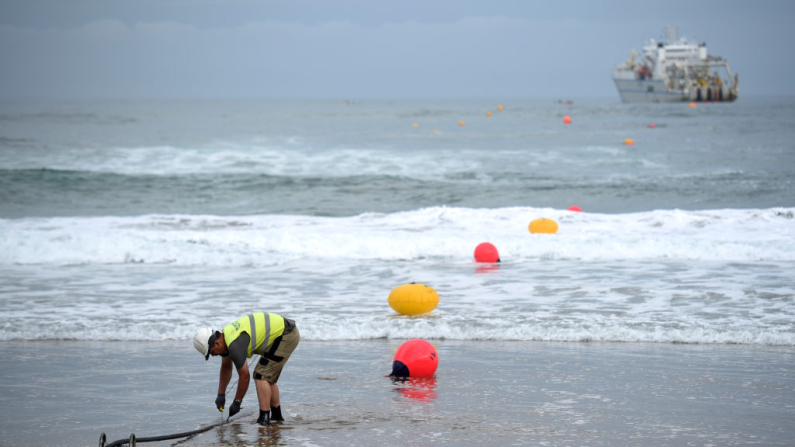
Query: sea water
{"type": "Point", "coordinates": [141, 220]}
{"type": "Point", "coordinates": [125, 225]}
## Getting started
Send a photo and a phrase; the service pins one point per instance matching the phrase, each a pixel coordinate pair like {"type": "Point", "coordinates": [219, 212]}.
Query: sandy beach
{"type": "Point", "coordinates": [337, 393]}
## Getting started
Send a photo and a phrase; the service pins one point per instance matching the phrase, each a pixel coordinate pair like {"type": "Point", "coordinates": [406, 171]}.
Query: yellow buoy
{"type": "Point", "coordinates": [415, 124]}
{"type": "Point", "coordinates": [500, 107]}
{"type": "Point", "coordinates": [548, 226]}
{"type": "Point", "coordinates": [489, 113]}
{"type": "Point", "coordinates": [413, 299]}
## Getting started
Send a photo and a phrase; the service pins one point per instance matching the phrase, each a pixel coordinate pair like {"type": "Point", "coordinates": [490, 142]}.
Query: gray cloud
{"type": "Point", "coordinates": [309, 49]}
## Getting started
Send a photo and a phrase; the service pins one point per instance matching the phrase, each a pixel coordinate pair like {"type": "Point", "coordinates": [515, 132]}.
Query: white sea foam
{"type": "Point", "coordinates": [149, 324]}
{"type": "Point", "coordinates": [290, 159]}
{"type": "Point", "coordinates": [439, 232]}
{"type": "Point", "coordinates": [718, 276]}
{"type": "Point", "coordinates": [280, 160]}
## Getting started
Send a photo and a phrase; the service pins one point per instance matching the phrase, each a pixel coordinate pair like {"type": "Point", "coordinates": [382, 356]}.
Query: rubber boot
{"type": "Point", "coordinates": [264, 418]}
{"type": "Point", "coordinates": [276, 414]}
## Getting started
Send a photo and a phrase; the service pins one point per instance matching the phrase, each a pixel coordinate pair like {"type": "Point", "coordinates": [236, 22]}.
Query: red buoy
{"type": "Point", "coordinates": [575, 208]}
{"type": "Point", "coordinates": [486, 252]}
{"type": "Point", "coordinates": [415, 358]}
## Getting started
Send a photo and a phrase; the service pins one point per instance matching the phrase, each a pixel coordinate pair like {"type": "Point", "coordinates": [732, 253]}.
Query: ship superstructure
{"type": "Point", "coordinates": [674, 70]}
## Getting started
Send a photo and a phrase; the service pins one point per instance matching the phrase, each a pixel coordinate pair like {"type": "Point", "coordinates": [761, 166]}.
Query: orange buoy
{"type": "Point", "coordinates": [413, 299]}
{"type": "Point", "coordinates": [461, 123]}
{"type": "Point", "coordinates": [692, 105]}
{"type": "Point", "coordinates": [489, 113]}
{"type": "Point", "coordinates": [415, 124]}
{"type": "Point", "coordinates": [547, 226]}
{"type": "Point", "coordinates": [575, 208]}
{"type": "Point", "coordinates": [567, 119]}
{"type": "Point", "coordinates": [486, 252]}
{"type": "Point", "coordinates": [415, 358]}
{"type": "Point", "coordinates": [629, 141]}
{"type": "Point", "coordinates": [500, 107]}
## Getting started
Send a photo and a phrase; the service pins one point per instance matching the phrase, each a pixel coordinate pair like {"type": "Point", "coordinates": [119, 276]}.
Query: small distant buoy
{"type": "Point", "coordinates": [436, 131]}
{"type": "Point", "coordinates": [415, 358]}
{"type": "Point", "coordinates": [461, 123]}
{"type": "Point", "coordinates": [629, 141]}
{"type": "Point", "coordinates": [413, 299]}
{"type": "Point", "coordinates": [486, 252]}
{"type": "Point", "coordinates": [547, 226]}
{"type": "Point", "coordinates": [567, 119]}
{"type": "Point", "coordinates": [489, 113]}
{"type": "Point", "coordinates": [415, 124]}
{"type": "Point", "coordinates": [692, 105]}
{"type": "Point", "coordinates": [652, 125]}
{"type": "Point", "coordinates": [500, 107]}
{"type": "Point", "coordinates": [575, 208]}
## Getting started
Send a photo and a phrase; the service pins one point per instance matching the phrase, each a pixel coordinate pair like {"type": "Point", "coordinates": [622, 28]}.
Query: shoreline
{"type": "Point", "coordinates": [337, 393]}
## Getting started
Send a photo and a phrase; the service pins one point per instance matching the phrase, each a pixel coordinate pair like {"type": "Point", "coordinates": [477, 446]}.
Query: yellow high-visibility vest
{"type": "Point", "coordinates": [263, 328]}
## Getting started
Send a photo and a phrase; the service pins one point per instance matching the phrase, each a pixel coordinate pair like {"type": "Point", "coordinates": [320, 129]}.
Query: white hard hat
{"type": "Point", "coordinates": [202, 341]}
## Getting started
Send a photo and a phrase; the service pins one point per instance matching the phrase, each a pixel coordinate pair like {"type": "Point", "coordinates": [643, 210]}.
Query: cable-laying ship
{"type": "Point", "coordinates": [674, 70]}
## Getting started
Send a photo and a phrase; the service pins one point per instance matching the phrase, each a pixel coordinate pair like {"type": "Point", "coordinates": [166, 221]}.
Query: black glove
{"type": "Point", "coordinates": [234, 408]}
{"type": "Point", "coordinates": [220, 401]}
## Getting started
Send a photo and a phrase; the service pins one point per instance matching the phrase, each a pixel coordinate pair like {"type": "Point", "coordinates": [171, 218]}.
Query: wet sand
{"type": "Point", "coordinates": [336, 393]}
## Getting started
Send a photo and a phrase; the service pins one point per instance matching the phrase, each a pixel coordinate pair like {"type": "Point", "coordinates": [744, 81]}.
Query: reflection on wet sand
{"type": "Point", "coordinates": [416, 388]}
{"type": "Point", "coordinates": [269, 434]}
{"type": "Point", "coordinates": [242, 431]}
{"type": "Point", "coordinates": [487, 268]}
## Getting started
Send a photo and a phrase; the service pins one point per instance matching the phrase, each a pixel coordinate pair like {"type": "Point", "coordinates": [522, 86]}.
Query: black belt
{"type": "Point", "coordinates": [289, 325]}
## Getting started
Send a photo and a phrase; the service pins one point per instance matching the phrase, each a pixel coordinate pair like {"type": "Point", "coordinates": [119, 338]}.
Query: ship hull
{"type": "Point", "coordinates": [632, 90]}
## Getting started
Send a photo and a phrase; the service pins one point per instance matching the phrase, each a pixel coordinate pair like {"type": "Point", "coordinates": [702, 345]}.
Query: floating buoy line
{"type": "Point", "coordinates": [133, 440]}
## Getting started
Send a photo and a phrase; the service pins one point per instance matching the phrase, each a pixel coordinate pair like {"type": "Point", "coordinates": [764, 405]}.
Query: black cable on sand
{"type": "Point", "coordinates": [132, 440]}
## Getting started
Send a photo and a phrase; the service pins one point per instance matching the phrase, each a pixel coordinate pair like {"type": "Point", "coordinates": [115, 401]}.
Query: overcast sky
{"type": "Point", "coordinates": [355, 49]}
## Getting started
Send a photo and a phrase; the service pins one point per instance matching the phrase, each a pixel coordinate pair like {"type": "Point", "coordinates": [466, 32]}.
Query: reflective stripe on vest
{"type": "Point", "coordinates": [253, 335]}
{"type": "Point", "coordinates": [253, 324]}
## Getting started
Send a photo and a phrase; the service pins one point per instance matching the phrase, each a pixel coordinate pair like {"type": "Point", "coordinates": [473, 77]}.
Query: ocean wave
{"type": "Point", "coordinates": [235, 158]}
{"type": "Point", "coordinates": [436, 232]}
{"type": "Point", "coordinates": [498, 328]}
{"type": "Point", "coordinates": [292, 157]}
